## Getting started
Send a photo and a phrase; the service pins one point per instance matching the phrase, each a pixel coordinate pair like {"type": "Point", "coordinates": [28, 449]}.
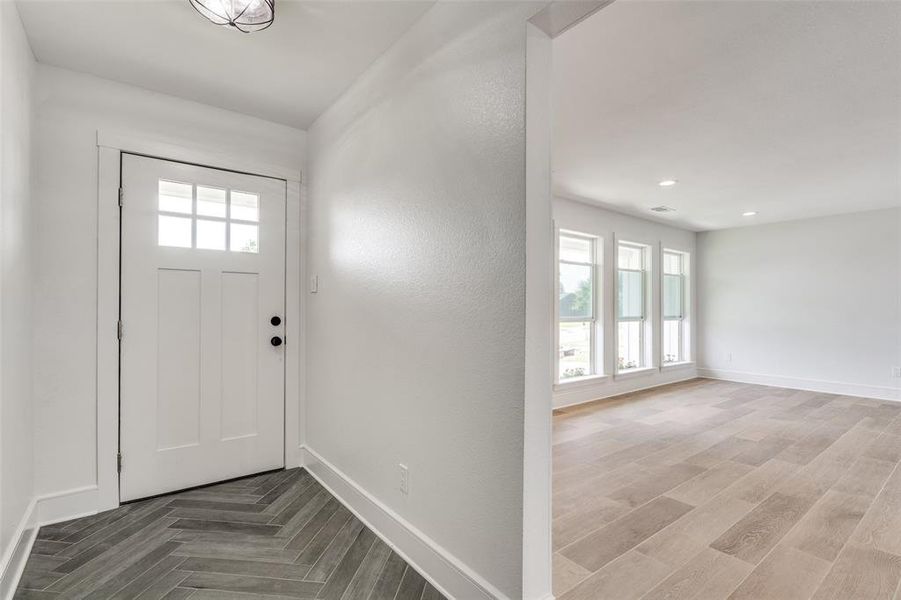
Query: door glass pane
{"type": "Point", "coordinates": [631, 295]}
{"type": "Point", "coordinates": [631, 257]}
{"type": "Point", "coordinates": [210, 202]}
{"type": "Point", "coordinates": [175, 197]}
{"type": "Point", "coordinates": [575, 350]}
{"type": "Point", "coordinates": [672, 263]}
{"type": "Point", "coordinates": [210, 234]}
{"type": "Point", "coordinates": [629, 340]}
{"type": "Point", "coordinates": [672, 341]}
{"type": "Point", "coordinates": [174, 231]}
{"type": "Point", "coordinates": [576, 291]}
{"type": "Point", "coordinates": [672, 296]}
{"type": "Point", "coordinates": [574, 249]}
{"type": "Point", "coordinates": [243, 238]}
{"type": "Point", "coordinates": [245, 207]}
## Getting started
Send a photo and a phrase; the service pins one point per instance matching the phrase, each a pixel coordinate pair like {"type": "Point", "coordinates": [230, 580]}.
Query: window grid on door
{"type": "Point", "coordinates": [207, 217]}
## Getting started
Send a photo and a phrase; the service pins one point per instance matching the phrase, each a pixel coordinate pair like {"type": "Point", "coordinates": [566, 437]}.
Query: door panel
{"type": "Point", "coordinates": [240, 355]}
{"type": "Point", "coordinates": [178, 359]}
{"type": "Point", "coordinates": [203, 272]}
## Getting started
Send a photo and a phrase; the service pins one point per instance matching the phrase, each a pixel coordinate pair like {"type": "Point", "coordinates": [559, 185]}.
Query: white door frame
{"type": "Point", "coordinates": [110, 146]}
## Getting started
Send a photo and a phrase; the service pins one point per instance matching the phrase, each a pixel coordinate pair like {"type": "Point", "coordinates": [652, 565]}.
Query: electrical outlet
{"type": "Point", "coordinates": [404, 479]}
{"type": "Point", "coordinates": [896, 371]}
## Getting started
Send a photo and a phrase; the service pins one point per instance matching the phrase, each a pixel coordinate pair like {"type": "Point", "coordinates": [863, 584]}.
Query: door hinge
{"type": "Point", "coordinates": [118, 462]}
{"type": "Point", "coordinates": [119, 330]}
{"type": "Point", "coordinates": [121, 197]}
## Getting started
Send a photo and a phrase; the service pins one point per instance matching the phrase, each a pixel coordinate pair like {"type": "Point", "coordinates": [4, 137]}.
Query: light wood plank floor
{"type": "Point", "coordinates": [710, 489]}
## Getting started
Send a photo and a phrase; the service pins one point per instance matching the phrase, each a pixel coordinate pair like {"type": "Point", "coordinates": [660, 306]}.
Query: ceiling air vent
{"type": "Point", "coordinates": [663, 209]}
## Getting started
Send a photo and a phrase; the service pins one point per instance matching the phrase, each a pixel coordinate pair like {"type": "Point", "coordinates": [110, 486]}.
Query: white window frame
{"type": "Point", "coordinates": [645, 321]}
{"type": "Point", "coordinates": [596, 363]}
{"type": "Point", "coordinates": [684, 319]}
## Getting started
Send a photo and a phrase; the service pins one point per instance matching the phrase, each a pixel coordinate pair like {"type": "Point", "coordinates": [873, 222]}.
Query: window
{"type": "Point", "coordinates": [207, 218]}
{"type": "Point", "coordinates": [674, 306]}
{"type": "Point", "coordinates": [577, 317]}
{"type": "Point", "coordinates": [631, 306]}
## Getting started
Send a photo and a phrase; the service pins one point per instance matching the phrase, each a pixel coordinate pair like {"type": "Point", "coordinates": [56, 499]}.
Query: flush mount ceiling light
{"type": "Point", "coordinates": [667, 182]}
{"type": "Point", "coordinates": [750, 213]}
{"type": "Point", "coordinates": [244, 15]}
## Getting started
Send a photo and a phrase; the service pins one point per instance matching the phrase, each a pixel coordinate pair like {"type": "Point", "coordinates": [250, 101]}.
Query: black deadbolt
{"type": "Point", "coordinates": [276, 341]}
{"type": "Point", "coordinates": [276, 321]}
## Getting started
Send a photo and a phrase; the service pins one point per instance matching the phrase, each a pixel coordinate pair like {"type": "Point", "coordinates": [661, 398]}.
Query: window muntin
{"type": "Point", "coordinates": [207, 218]}
{"type": "Point", "coordinates": [631, 305]}
{"type": "Point", "coordinates": [577, 301]}
{"type": "Point", "coordinates": [673, 306]}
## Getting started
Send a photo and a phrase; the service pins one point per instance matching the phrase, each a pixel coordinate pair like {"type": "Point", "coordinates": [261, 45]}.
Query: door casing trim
{"type": "Point", "coordinates": [110, 147]}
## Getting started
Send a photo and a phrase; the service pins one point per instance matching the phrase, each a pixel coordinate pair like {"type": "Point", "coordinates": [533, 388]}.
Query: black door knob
{"type": "Point", "coordinates": [276, 341]}
{"type": "Point", "coordinates": [276, 321]}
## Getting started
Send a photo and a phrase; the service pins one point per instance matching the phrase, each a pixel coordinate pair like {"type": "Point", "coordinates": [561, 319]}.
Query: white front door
{"type": "Point", "coordinates": [202, 310]}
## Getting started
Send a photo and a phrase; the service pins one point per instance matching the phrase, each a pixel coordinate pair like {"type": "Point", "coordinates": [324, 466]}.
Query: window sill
{"type": "Point", "coordinates": [679, 365]}
{"type": "Point", "coordinates": [636, 372]}
{"type": "Point", "coordinates": [578, 382]}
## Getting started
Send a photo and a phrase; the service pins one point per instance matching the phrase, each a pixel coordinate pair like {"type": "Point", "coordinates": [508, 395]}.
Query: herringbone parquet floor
{"type": "Point", "coordinates": [277, 535]}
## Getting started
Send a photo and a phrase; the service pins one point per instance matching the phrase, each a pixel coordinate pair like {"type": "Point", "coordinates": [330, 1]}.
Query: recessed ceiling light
{"type": "Point", "coordinates": [750, 213]}
{"type": "Point", "coordinates": [667, 182]}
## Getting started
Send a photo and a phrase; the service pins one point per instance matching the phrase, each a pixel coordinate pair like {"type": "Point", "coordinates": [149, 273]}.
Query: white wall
{"type": "Point", "coordinates": [417, 233]}
{"type": "Point", "coordinates": [538, 435]}
{"type": "Point", "coordinates": [16, 416]}
{"type": "Point", "coordinates": [70, 109]}
{"type": "Point", "coordinates": [814, 304]}
{"type": "Point", "coordinates": [609, 226]}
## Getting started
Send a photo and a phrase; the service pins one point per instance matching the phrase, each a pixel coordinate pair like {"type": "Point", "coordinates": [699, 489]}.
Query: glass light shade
{"type": "Point", "coordinates": [243, 15]}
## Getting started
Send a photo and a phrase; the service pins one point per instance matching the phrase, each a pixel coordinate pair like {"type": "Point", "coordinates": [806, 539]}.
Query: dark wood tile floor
{"type": "Point", "coordinates": [278, 535]}
{"type": "Point", "coordinates": [712, 490]}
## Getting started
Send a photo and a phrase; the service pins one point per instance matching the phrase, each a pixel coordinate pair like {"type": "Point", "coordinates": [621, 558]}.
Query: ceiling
{"type": "Point", "coordinates": [288, 73]}
{"type": "Point", "coordinates": [790, 109]}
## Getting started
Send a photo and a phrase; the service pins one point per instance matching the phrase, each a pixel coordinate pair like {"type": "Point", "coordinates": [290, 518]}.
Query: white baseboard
{"type": "Point", "coordinates": [443, 570]}
{"type": "Point", "coordinates": [13, 561]}
{"type": "Point", "coordinates": [812, 385]}
{"type": "Point", "coordinates": [66, 505]}
{"type": "Point", "coordinates": [43, 510]}
{"type": "Point", "coordinates": [609, 389]}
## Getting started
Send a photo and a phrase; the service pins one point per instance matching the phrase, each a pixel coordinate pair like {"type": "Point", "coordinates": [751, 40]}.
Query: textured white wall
{"type": "Point", "coordinates": [16, 415]}
{"type": "Point", "coordinates": [70, 109]}
{"type": "Point", "coordinates": [813, 303]}
{"type": "Point", "coordinates": [418, 236]}
{"type": "Point", "coordinates": [610, 225]}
